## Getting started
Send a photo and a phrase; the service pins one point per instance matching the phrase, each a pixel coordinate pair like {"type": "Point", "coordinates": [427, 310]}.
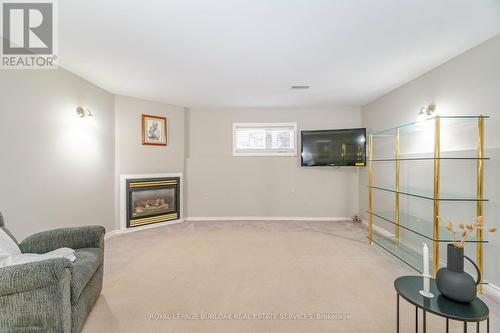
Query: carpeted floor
{"type": "Point", "coordinates": [253, 277]}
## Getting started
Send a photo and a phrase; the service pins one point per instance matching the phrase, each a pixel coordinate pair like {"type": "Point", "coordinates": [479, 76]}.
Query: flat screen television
{"type": "Point", "coordinates": [344, 147]}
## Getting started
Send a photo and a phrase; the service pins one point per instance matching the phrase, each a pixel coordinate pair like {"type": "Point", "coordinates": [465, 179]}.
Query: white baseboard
{"type": "Point", "coordinates": [114, 233]}
{"type": "Point", "coordinates": [493, 291]}
{"type": "Point", "coordinates": [490, 290]}
{"type": "Point", "coordinates": [264, 218]}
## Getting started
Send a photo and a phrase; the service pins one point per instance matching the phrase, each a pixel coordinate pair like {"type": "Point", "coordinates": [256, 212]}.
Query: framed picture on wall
{"type": "Point", "coordinates": [154, 130]}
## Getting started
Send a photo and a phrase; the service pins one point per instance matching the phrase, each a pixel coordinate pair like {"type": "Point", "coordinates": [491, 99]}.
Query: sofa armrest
{"type": "Point", "coordinates": [35, 297]}
{"type": "Point", "coordinates": [34, 275]}
{"type": "Point", "coordinates": [74, 238]}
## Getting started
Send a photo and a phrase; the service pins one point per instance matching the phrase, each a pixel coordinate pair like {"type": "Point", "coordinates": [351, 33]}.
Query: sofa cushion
{"type": "Point", "coordinates": [88, 260]}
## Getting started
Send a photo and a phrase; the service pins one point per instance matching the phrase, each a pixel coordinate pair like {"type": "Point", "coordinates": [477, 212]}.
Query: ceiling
{"type": "Point", "coordinates": [228, 53]}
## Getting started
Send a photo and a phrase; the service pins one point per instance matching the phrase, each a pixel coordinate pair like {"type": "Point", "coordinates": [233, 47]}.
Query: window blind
{"type": "Point", "coordinates": [264, 139]}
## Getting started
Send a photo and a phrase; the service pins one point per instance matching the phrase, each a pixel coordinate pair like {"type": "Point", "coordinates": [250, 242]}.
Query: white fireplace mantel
{"type": "Point", "coordinates": [123, 198]}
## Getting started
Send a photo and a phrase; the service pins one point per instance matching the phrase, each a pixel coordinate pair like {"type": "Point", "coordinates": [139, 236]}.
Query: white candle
{"type": "Point", "coordinates": [426, 260]}
{"type": "Point", "coordinates": [426, 277]}
{"type": "Point", "coordinates": [427, 286]}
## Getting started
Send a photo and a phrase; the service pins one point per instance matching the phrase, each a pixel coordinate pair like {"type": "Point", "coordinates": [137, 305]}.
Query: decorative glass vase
{"type": "Point", "coordinates": [452, 281]}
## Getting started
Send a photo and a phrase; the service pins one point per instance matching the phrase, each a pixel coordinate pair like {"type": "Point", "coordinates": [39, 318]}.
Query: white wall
{"type": "Point", "coordinates": [468, 84]}
{"type": "Point", "coordinates": [220, 185]}
{"type": "Point", "coordinates": [132, 157]}
{"type": "Point", "coordinates": [56, 169]}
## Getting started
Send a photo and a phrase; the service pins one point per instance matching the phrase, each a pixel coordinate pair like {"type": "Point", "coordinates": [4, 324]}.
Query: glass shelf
{"type": "Point", "coordinates": [409, 255]}
{"type": "Point", "coordinates": [426, 159]}
{"type": "Point", "coordinates": [421, 227]}
{"type": "Point", "coordinates": [428, 195]}
{"type": "Point", "coordinates": [411, 125]}
{"type": "Point", "coordinates": [404, 253]}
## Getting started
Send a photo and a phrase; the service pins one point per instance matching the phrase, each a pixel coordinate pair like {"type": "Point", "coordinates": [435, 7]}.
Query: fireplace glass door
{"type": "Point", "coordinates": [151, 202]}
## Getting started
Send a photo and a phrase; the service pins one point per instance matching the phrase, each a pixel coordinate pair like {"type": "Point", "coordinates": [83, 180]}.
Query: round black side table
{"type": "Point", "coordinates": [408, 287]}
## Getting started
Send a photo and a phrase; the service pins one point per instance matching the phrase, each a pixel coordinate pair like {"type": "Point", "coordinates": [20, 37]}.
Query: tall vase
{"type": "Point", "coordinates": [452, 281]}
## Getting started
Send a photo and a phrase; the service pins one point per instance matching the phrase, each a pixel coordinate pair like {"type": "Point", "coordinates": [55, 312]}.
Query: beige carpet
{"type": "Point", "coordinates": [272, 276]}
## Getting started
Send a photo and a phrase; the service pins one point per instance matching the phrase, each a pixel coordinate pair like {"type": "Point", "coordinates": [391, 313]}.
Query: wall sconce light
{"type": "Point", "coordinates": [426, 112]}
{"type": "Point", "coordinates": [82, 113]}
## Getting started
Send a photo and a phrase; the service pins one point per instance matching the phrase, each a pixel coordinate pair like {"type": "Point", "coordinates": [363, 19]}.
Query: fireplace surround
{"type": "Point", "coordinates": [150, 200]}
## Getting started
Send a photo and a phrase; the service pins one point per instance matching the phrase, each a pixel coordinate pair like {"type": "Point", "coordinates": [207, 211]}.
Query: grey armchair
{"type": "Point", "coordinates": [53, 295]}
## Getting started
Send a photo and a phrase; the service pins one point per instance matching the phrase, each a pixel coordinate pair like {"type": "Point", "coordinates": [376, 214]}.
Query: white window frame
{"type": "Point", "coordinates": [287, 152]}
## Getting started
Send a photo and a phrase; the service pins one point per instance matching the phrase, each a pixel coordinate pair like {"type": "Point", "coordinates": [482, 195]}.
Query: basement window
{"type": "Point", "coordinates": [264, 139]}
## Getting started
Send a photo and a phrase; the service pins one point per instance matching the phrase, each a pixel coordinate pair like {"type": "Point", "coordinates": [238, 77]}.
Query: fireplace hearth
{"type": "Point", "coordinates": [152, 200]}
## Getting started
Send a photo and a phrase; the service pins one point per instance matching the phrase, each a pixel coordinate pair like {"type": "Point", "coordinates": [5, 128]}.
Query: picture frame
{"type": "Point", "coordinates": [154, 130]}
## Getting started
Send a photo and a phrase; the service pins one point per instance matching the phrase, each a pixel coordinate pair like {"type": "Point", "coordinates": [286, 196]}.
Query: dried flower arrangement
{"type": "Point", "coordinates": [464, 230]}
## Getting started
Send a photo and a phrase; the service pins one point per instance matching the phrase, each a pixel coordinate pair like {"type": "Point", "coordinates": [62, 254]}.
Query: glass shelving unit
{"type": "Point", "coordinates": [428, 148]}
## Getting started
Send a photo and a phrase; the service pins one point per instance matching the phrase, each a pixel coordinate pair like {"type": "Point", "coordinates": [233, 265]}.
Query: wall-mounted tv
{"type": "Point", "coordinates": [344, 147]}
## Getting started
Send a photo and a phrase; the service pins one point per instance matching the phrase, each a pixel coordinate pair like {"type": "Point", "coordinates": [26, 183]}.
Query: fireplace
{"type": "Point", "coordinates": [152, 200]}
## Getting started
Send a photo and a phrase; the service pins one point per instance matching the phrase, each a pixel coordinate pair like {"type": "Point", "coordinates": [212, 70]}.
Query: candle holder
{"type": "Point", "coordinates": [426, 292]}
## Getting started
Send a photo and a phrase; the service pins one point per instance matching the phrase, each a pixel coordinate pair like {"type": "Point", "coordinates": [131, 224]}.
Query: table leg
{"type": "Point", "coordinates": [465, 327]}
{"type": "Point", "coordinates": [488, 325]}
{"type": "Point", "coordinates": [397, 316]}
{"type": "Point", "coordinates": [416, 319]}
{"type": "Point", "coordinates": [425, 322]}
{"type": "Point", "coordinates": [447, 325]}
{"type": "Point", "coordinates": [477, 327]}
